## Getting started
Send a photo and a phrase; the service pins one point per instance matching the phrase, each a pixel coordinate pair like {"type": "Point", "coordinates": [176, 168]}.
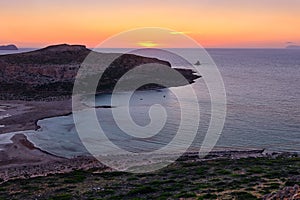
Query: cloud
{"type": "Point", "coordinates": [147, 44]}
{"type": "Point", "coordinates": [290, 42]}
{"type": "Point", "coordinates": [179, 32]}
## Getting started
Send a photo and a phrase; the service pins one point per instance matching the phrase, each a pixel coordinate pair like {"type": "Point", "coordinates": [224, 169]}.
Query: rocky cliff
{"type": "Point", "coordinates": [51, 71]}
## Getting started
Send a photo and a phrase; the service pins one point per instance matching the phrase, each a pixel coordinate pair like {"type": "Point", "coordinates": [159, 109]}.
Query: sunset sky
{"type": "Point", "coordinates": [212, 23]}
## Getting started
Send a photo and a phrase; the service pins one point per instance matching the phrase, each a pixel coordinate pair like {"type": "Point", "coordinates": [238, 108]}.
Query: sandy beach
{"type": "Point", "coordinates": [23, 115]}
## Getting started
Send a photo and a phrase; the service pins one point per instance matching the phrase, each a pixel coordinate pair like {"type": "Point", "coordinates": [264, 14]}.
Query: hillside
{"type": "Point", "coordinates": [51, 71]}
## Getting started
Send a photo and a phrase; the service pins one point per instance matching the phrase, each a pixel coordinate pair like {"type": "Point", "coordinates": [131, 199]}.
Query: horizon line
{"type": "Point", "coordinates": [162, 48]}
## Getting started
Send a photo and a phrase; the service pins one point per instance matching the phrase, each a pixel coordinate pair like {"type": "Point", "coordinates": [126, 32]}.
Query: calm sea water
{"type": "Point", "coordinates": [263, 106]}
{"type": "Point", "coordinates": [263, 91]}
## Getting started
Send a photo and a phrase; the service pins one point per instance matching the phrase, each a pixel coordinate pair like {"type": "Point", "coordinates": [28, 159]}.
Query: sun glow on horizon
{"type": "Point", "coordinates": [179, 32]}
{"type": "Point", "coordinates": [147, 44]}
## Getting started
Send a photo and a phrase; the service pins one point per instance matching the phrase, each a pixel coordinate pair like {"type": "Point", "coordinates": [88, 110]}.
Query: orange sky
{"type": "Point", "coordinates": [213, 23]}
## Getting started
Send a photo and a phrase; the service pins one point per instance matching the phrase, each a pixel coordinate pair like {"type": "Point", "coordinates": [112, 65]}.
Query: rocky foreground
{"type": "Point", "coordinates": [50, 72]}
{"type": "Point", "coordinates": [290, 192]}
{"type": "Point", "coordinates": [225, 175]}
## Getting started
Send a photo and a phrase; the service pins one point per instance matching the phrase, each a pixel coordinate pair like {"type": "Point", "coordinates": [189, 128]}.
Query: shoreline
{"type": "Point", "coordinates": [27, 161]}
{"type": "Point", "coordinates": [22, 159]}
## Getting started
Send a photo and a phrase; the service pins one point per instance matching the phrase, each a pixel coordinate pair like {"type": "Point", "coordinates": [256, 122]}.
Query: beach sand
{"type": "Point", "coordinates": [25, 114]}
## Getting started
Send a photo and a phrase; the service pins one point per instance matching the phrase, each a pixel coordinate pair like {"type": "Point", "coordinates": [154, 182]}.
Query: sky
{"type": "Point", "coordinates": [212, 23]}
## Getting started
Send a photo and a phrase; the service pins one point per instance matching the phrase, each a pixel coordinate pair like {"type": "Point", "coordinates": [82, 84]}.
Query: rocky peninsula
{"type": "Point", "coordinates": [51, 71]}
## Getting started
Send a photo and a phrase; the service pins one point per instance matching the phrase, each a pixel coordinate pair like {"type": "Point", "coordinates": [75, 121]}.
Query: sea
{"type": "Point", "coordinates": [262, 107]}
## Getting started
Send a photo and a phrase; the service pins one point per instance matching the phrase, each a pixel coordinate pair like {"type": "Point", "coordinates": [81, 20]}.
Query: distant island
{"type": "Point", "coordinates": [293, 47]}
{"type": "Point", "coordinates": [9, 47]}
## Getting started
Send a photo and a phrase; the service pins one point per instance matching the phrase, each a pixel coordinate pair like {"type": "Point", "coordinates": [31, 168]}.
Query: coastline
{"type": "Point", "coordinates": [21, 159]}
